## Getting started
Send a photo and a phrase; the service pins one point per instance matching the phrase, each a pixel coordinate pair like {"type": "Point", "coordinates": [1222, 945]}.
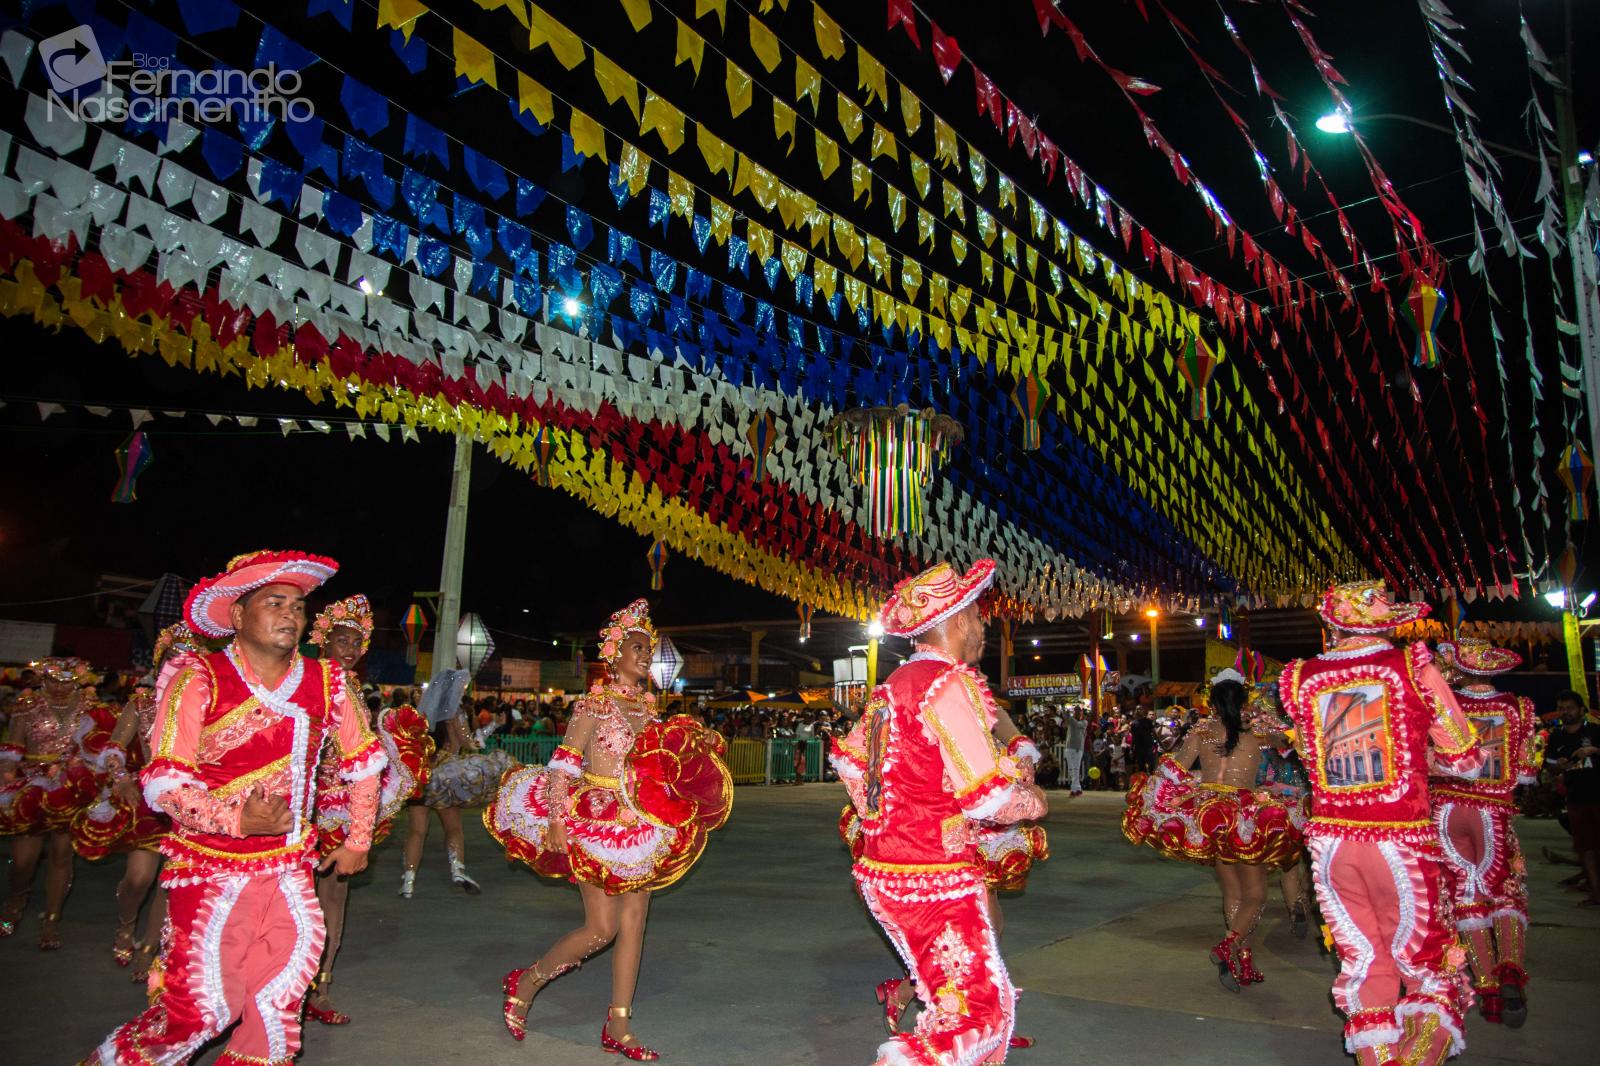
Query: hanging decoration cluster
{"type": "Point", "coordinates": [1576, 471]}
{"type": "Point", "coordinates": [1198, 362]}
{"type": "Point", "coordinates": [134, 457]}
{"type": "Point", "coordinates": [657, 558]}
{"type": "Point", "coordinates": [1029, 396]}
{"type": "Point", "coordinates": [893, 452]}
{"type": "Point", "coordinates": [804, 612]}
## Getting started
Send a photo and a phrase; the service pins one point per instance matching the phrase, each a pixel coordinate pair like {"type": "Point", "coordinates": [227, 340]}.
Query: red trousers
{"type": "Point", "coordinates": [939, 924]}
{"type": "Point", "coordinates": [1386, 906]}
{"type": "Point", "coordinates": [241, 949]}
{"type": "Point", "coordinates": [1485, 874]}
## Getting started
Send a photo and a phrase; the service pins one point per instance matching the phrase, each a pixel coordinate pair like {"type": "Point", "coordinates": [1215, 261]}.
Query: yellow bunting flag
{"type": "Point", "coordinates": [638, 13]}
{"type": "Point", "coordinates": [400, 15]}
{"type": "Point", "coordinates": [633, 169]}
{"type": "Point", "coordinates": [721, 220]}
{"type": "Point", "coordinates": [807, 82]}
{"type": "Point", "coordinates": [739, 90]}
{"type": "Point", "coordinates": [827, 154]}
{"type": "Point", "coordinates": [764, 43]}
{"type": "Point", "coordinates": [860, 180]}
{"type": "Point", "coordinates": [664, 119]}
{"type": "Point", "coordinates": [616, 84]}
{"type": "Point", "coordinates": [760, 238]}
{"type": "Point", "coordinates": [944, 143]}
{"type": "Point", "coordinates": [830, 42]}
{"type": "Point", "coordinates": [691, 48]}
{"type": "Point", "coordinates": [534, 98]}
{"type": "Point", "coordinates": [921, 173]}
{"type": "Point", "coordinates": [783, 122]}
{"type": "Point", "coordinates": [897, 207]}
{"type": "Point", "coordinates": [925, 227]}
{"type": "Point", "coordinates": [826, 277]}
{"type": "Point", "coordinates": [701, 7]}
{"type": "Point", "coordinates": [518, 8]}
{"type": "Point", "coordinates": [680, 195]}
{"type": "Point", "coordinates": [473, 61]}
{"type": "Point", "coordinates": [564, 44]}
{"type": "Point", "coordinates": [870, 76]}
{"type": "Point", "coordinates": [910, 110]}
{"type": "Point", "coordinates": [718, 156]}
{"type": "Point", "coordinates": [851, 120]}
{"type": "Point", "coordinates": [883, 143]}
{"type": "Point", "coordinates": [588, 138]}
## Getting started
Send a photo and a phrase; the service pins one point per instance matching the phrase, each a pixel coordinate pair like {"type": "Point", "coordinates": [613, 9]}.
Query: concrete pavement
{"type": "Point", "coordinates": [763, 955]}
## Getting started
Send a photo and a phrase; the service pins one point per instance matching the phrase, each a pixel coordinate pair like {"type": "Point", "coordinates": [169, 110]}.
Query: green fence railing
{"type": "Point", "coordinates": [526, 750]}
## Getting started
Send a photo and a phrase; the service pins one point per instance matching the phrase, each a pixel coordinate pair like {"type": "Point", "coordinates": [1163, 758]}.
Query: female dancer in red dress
{"type": "Point", "coordinates": [54, 762]}
{"type": "Point", "coordinates": [623, 809]}
{"type": "Point", "coordinates": [121, 821]}
{"type": "Point", "coordinates": [1220, 819]}
{"type": "Point", "coordinates": [344, 632]}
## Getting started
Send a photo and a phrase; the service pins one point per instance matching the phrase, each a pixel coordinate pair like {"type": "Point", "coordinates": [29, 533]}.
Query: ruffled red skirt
{"type": "Point", "coordinates": [45, 798]}
{"type": "Point", "coordinates": [1208, 824]}
{"type": "Point", "coordinates": [110, 825]}
{"type": "Point", "coordinates": [637, 833]}
{"type": "Point", "coordinates": [1006, 854]}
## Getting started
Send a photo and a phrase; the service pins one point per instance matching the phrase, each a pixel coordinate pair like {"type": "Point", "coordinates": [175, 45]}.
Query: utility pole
{"type": "Point", "coordinates": [1584, 278]}
{"type": "Point", "coordinates": [455, 550]}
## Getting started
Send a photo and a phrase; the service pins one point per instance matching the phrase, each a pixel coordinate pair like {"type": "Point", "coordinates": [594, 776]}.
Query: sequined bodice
{"type": "Point", "coordinates": [48, 732]}
{"type": "Point", "coordinates": [617, 722]}
{"type": "Point", "coordinates": [144, 705]}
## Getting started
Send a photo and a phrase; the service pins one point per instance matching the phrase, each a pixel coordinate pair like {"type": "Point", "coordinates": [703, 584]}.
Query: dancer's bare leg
{"type": "Point", "coordinates": [25, 852]}
{"type": "Point", "coordinates": [57, 883]}
{"type": "Point", "coordinates": [1252, 900]}
{"type": "Point", "coordinates": [416, 835]}
{"type": "Point", "coordinates": [333, 894]}
{"type": "Point", "coordinates": [454, 840]}
{"type": "Point", "coordinates": [137, 876]}
{"type": "Point", "coordinates": [602, 918]}
{"type": "Point", "coordinates": [1232, 891]}
{"type": "Point", "coordinates": [625, 957]}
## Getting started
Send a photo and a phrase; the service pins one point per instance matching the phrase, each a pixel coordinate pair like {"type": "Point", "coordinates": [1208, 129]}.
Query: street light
{"type": "Point", "coordinates": [874, 634]}
{"type": "Point", "coordinates": [1155, 648]}
{"type": "Point", "coordinates": [1340, 122]}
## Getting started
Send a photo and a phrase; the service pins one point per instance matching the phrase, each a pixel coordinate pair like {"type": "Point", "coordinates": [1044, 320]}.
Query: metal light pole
{"type": "Point", "coordinates": [455, 548]}
{"type": "Point", "coordinates": [1578, 250]}
{"type": "Point", "coordinates": [1155, 653]}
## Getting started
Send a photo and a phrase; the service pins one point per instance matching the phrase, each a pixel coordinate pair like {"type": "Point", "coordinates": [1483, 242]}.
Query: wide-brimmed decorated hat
{"type": "Point", "coordinates": [1475, 656]}
{"type": "Point", "coordinates": [938, 593]}
{"type": "Point", "coordinates": [1364, 607]}
{"type": "Point", "coordinates": [207, 609]}
{"type": "Point", "coordinates": [634, 618]}
{"type": "Point", "coordinates": [66, 668]}
{"type": "Point", "coordinates": [353, 611]}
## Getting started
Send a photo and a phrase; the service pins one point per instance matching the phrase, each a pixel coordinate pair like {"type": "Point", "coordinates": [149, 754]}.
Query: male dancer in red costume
{"type": "Point", "coordinates": [1483, 864]}
{"type": "Point", "coordinates": [236, 741]}
{"type": "Point", "coordinates": [1369, 719]}
{"type": "Point", "coordinates": [925, 772]}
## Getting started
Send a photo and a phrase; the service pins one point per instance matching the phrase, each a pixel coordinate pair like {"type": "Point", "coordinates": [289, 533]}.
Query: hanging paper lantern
{"type": "Point", "coordinates": [893, 452]}
{"type": "Point", "coordinates": [1424, 308]}
{"type": "Point", "coordinates": [804, 610]}
{"type": "Point", "coordinates": [1200, 358]}
{"type": "Point", "coordinates": [413, 625]}
{"type": "Point", "coordinates": [762, 432]}
{"type": "Point", "coordinates": [1224, 622]}
{"type": "Point", "coordinates": [665, 663]}
{"type": "Point", "coordinates": [1030, 396]}
{"type": "Point", "coordinates": [1252, 664]}
{"type": "Point", "coordinates": [474, 645]}
{"type": "Point", "coordinates": [657, 557]}
{"type": "Point", "coordinates": [1575, 472]}
{"type": "Point", "coordinates": [1453, 611]}
{"type": "Point", "coordinates": [134, 457]}
{"type": "Point", "coordinates": [541, 456]}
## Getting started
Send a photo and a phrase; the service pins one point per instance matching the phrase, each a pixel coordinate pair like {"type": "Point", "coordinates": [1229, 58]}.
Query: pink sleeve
{"type": "Point", "coordinates": [360, 754]}
{"type": "Point", "coordinates": [171, 784]}
{"type": "Point", "coordinates": [1455, 748]}
{"type": "Point", "coordinates": [985, 782]}
{"type": "Point", "coordinates": [1529, 761]}
{"type": "Point", "coordinates": [363, 813]}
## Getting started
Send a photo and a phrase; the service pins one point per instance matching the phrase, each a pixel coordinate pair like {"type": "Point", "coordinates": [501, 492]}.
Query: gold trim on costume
{"type": "Point", "coordinates": [180, 684]}
{"type": "Point", "coordinates": [248, 704]}
{"type": "Point", "coordinates": [602, 781]}
{"type": "Point", "coordinates": [245, 781]}
{"type": "Point", "coordinates": [915, 867]}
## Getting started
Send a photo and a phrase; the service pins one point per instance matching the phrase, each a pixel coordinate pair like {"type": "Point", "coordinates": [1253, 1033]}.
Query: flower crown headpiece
{"type": "Point", "coordinates": [66, 668]}
{"type": "Point", "coordinates": [634, 618]}
{"type": "Point", "coordinates": [353, 611]}
{"type": "Point", "coordinates": [175, 638]}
